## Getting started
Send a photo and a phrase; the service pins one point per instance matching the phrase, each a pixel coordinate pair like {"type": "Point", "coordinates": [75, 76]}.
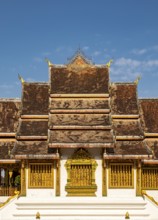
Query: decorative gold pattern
{"type": "Point", "coordinates": [121, 175]}
{"type": "Point", "coordinates": [41, 175]}
{"type": "Point", "coordinates": [104, 178]}
{"type": "Point", "coordinates": [10, 198]}
{"type": "Point", "coordinates": [23, 178]}
{"type": "Point", "coordinates": [78, 63]}
{"type": "Point", "coordinates": [81, 174]}
{"type": "Point", "coordinates": [58, 178]}
{"type": "Point", "coordinates": [138, 179]}
{"type": "Point", "coordinates": [150, 178]}
{"type": "Point", "coordinates": [149, 197]}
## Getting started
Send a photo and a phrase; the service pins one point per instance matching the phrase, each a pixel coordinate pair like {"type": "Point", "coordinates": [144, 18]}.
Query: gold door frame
{"type": "Point", "coordinates": [82, 160]}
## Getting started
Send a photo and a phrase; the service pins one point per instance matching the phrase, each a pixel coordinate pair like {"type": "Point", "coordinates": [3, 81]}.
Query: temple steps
{"type": "Point", "coordinates": [78, 208]}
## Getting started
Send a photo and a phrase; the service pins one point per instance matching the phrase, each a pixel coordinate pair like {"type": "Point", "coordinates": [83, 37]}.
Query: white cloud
{"type": "Point", "coordinates": [127, 69]}
{"type": "Point", "coordinates": [30, 79]}
{"type": "Point", "coordinates": [96, 53]}
{"type": "Point", "coordinates": [38, 59]}
{"type": "Point", "coordinates": [155, 47]}
{"type": "Point", "coordinates": [47, 53]}
{"type": "Point", "coordinates": [127, 62]}
{"type": "Point", "coordinates": [152, 63]}
{"type": "Point", "coordinates": [139, 51]}
{"type": "Point", "coordinates": [6, 86]}
{"type": "Point", "coordinates": [85, 48]}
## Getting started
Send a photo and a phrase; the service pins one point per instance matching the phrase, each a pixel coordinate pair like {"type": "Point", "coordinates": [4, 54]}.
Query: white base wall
{"type": "Point", "coordinates": [112, 207]}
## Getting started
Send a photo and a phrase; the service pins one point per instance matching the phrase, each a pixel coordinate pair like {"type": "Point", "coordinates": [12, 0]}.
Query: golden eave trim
{"type": "Point", "coordinates": [74, 127]}
{"type": "Point", "coordinates": [39, 156]}
{"type": "Point", "coordinates": [10, 161]}
{"type": "Point", "coordinates": [33, 119]}
{"type": "Point", "coordinates": [106, 95]}
{"type": "Point", "coordinates": [129, 137]}
{"type": "Point", "coordinates": [151, 139]}
{"type": "Point", "coordinates": [150, 161]}
{"type": "Point", "coordinates": [110, 157]}
{"type": "Point", "coordinates": [79, 111]}
{"type": "Point", "coordinates": [80, 145]}
{"type": "Point", "coordinates": [151, 134]}
{"type": "Point", "coordinates": [125, 116]}
{"type": "Point", "coordinates": [7, 134]}
{"type": "Point", "coordinates": [34, 116]}
{"type": "Point", "coordinates": [7, 139]}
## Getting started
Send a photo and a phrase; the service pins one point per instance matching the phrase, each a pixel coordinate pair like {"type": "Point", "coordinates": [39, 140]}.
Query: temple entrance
{"type": "Point", "coordinates": [81, 174]}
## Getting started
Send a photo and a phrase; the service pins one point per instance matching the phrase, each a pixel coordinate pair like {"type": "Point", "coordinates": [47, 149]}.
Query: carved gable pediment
{"type": "Point", "coordinates": [81, 154]}
{"type": "Point", "coordinates": [79, 61]}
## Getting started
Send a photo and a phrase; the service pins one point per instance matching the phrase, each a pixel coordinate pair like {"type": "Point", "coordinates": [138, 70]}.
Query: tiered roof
{"type": "Point", "coordinates": [79, 108]}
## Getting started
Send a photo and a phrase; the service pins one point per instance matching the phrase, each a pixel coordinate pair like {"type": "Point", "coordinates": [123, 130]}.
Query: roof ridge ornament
{"type": "Point", "coordinates": [109, 63]}
{"type": "Point", "coordinates": [21, 79]}
{"type": "Point", "coordinates": [79, 61]}
{"type": "Point", "coordinates": [48, 62]}
{"type": "Point", "coordinates": [137, 79]}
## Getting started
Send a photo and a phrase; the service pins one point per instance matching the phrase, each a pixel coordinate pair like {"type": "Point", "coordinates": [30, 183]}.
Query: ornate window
{"type": "Point", "coordinates": [121, 175]}
{"type": "Point", "coordinates": [41, 175]}
{"type": "Point", "coordinates": [81, 174]}
{"type": "Point", "coordinates": [150, 178]}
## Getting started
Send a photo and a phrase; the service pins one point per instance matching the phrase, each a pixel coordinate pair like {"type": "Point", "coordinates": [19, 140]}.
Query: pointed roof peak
{"type": "Point", "coordinates": [79, 55]}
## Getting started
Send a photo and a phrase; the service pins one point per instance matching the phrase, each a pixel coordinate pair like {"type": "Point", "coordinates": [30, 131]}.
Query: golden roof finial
{"type": "Point", "coordinates": [109, 63]}
{"type": "Point", "coordinates": [137, 79]}
{"type": "Point", "coordinates": [21, 79]}
{"type": "Point", "coordinates": [127, 215]}
{"type": "Point", "coordinates": [48, 62]}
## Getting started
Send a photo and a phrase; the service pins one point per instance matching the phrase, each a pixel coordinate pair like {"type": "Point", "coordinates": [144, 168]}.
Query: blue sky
{"type": "Point", "coordinates": [124, 30]}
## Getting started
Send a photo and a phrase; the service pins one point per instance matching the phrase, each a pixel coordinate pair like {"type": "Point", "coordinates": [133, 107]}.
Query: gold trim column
{"type": "Point", "coordinates": [58, 177]}
{"type": "Point", "coordinates": [23, 178]}
{"type": "Point", "coordinates": [138, 179]}
{"type": "Point", "coordinates": [10, 176]}
{"type": "Point", "coordinates": [104, 178]}
{"type": "Point", "coordinates": [0, 175]}
{"type": "Point", "coordinates": [6, 180]}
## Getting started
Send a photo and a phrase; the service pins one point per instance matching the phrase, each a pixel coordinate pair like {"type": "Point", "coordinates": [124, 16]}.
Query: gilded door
{"type": "Point", "coordinates": [81, 174]}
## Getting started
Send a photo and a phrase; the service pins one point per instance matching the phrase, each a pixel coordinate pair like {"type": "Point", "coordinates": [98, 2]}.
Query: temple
{"type": "Point", "coordinates": [78, 147]}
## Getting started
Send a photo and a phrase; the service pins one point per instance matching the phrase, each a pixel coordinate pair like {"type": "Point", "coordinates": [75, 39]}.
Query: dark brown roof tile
{"type": "Point", "coordinates": [33, 128]}
{"type": "Point", "coordinates": [86, 80]}
{"type": "Point", "coordinates": [9, 115]}
{"type": "Point", "coordinates": [124, 99]}
{"type": "Point", "coordinates": [35, 99]}
{"type": "Point", "coordinates": [149, 110]}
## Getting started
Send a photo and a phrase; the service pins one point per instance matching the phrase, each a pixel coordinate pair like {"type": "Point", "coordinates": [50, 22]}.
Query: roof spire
{"type": "Point", "coordinates": [48, 62]}
{"type": "Point", "coordinates": [137, 79]}
{"type": "Point", "coordinates": [21, 79]}
{"type": "Point", "coordinates": [109, 63]}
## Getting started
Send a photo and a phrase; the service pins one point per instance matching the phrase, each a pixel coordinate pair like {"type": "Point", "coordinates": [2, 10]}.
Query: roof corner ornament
{"type": "Point", "coordinates": [21, 79]}
{"type": "Point", "coordinates": [137, 79]}
{"type": "Point", "coordinates": [48, 62]}
{"type": "Point", "coordinates": [109, 63]}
